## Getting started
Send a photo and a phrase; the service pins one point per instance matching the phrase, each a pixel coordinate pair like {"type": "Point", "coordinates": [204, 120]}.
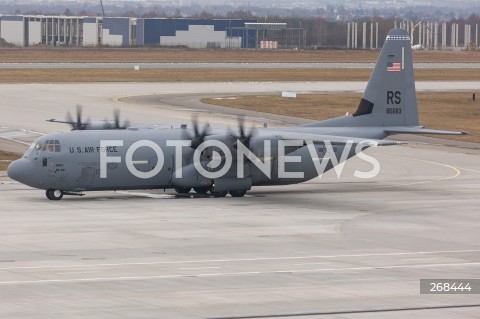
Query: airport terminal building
{"type": "Point", "coordinates": [30, 30]}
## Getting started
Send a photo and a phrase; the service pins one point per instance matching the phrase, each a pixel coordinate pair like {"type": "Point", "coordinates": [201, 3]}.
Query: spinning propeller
{"type": "Point", "coordinates": [117, 125]}
{"type": "Point", "coordinates": [198, 136]}
{"type": "Point", "coordinates": [78, 124]}
{"type": "Point", "coordinates": [244, 138]}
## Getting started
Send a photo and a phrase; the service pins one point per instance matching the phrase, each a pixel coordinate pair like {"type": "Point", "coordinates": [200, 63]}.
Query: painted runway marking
{"type": "Point", "coordinates": [15, 141]}
{"type": "Point", "coordinates": [457, 172]}
{"type": "Point", "coordinates": [78, 272]}
{"type": "Point", "coordinates": [196, 268]}
{"type": "Point", "coordinates": [173, 262]}
{"type": "Point", "coordinates": [422, 259]}
{"type": "Point", "coordinates": [350, 312]}
{"type": "Point", "coordinates": [149, 195]}
{"type": "Point", "coordinates": [30, 131]}
{"type": "Point", "coordinates": [468, 169]}
{"type": "Point", "coordinates": [226, 274]}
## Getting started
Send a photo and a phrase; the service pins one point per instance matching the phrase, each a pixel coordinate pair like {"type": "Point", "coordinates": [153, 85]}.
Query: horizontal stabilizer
{"type": "Point", "coordinates": [420, 130]}
{"type": "Point", "coordinates": [319, 138]}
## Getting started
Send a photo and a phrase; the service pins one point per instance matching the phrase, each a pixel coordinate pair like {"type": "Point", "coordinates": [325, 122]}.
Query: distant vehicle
{"type": "Point", "coordinates": [417, 47]}
{"type": "Point", "coordinates": [219, 162]}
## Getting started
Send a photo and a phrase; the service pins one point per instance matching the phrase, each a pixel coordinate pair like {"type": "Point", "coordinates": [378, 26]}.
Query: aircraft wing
{"type": "Point", "coordinates": [318, 138]}
{"type": "Point", "coordinates": [420, 130]}
{"type": "Point", "coordinates": [60, 121]}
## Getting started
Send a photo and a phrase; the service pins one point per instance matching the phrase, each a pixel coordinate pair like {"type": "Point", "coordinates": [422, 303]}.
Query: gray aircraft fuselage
{"type": "Point", "coordinates": [76, 165]}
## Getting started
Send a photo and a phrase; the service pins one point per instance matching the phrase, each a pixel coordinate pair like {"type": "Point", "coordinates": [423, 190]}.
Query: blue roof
{"type": "Point", "coordinates": [89, 20]}
{"type": "Point", "coordinates": [12, 18]}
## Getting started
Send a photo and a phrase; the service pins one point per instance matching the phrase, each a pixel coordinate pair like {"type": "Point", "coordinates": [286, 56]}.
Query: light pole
{"type": "Point", "coordinates": [299, 35]}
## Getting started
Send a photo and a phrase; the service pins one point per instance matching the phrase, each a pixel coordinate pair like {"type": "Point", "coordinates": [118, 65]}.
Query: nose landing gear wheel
{"type": "Point", "coordinates": [54, 194]}
{"type": "Point", "coordinates": [237, 193]}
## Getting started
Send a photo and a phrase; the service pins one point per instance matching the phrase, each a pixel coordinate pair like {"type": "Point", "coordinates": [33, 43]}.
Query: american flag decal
{"type": "Point", "coordinates": [394, 66]}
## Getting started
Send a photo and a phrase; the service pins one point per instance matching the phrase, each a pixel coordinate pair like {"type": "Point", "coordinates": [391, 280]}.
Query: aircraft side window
{"type": "Point", "coordinates": [57, 148]}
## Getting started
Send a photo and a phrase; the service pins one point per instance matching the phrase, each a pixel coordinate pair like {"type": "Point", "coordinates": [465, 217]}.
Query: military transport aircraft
{"type": "Point", "coordinates": [226, 161]}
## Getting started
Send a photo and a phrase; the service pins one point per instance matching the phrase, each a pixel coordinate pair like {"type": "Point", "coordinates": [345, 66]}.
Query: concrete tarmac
{"type": "Point", "coordinates": [328, 248]}
{"type": "Point", "coordinates": [27, 106]}
{"type": "Point", "coordinates": [226, 65]}
{"type": "Point", "coordinates": [334, 248]}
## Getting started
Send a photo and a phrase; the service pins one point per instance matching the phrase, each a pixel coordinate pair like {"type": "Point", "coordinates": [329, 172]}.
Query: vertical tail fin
{"type": "Point", "coordinates": [389, 101]}
{"type": "Point", "coordinates": [390, 96]}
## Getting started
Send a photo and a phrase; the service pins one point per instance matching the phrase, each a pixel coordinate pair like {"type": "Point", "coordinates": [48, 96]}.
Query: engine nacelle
{"type": "Point", "coordinates": [190, 178]}
{"type": "Point", "coordinates": [231, 184]}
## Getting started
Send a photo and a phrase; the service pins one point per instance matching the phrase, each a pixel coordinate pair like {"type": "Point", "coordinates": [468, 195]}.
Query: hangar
{"type": "Point", "coordinates": [198, 33]}
{"type": "Point", "coordinates": [32, 30]}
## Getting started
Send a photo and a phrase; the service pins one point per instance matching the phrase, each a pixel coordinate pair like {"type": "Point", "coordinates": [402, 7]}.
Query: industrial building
{"type": "Point", "coordinates": [27, 30]}
{"type": "Point", "coordinates": [198, 33]}
{"type": "Point", "coordinates": [423, 35]}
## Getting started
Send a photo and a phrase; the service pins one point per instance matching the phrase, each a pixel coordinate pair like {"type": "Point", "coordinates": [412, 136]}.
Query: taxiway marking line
{"type": "Point", "coordinates": [245, 259]}
{"type": "Point", "coordinates": [148, 195]}
{"type": "Point", "coordinates": [468, 169]}
{"type": "Point", "coordinates": [30, 131]}
{"type": "Point", "coordinates": [78, 272]}
{"type": "Point", "coordinates": [457, 172]}
{"type": "Point", "coordinates": [348, 312]}
{"type": "Point", "coordinates": [196, 268]}
{"type": "Point", "coordinates": [226, 274]}
{"type": "Point", "coordinates": [15, 141]}
{"type": "Point", "coordinates": [422, 259]}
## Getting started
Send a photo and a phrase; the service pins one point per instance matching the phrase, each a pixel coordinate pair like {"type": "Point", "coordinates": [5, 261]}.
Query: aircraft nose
{"type": "Point", "coordinates": [20, 170]}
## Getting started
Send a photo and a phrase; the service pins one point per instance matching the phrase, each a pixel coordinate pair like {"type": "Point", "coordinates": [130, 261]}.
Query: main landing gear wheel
{"type": "Point", "coordinates": [200, 190]}
{"type": "Point", "coordinates": [219, 194]}
{"type": "Point", "coordinates": [54, 194]}
{"type": "Point", "coordinates": [183, 190]}
{"type": "Point", "coordinates": [237, 193]}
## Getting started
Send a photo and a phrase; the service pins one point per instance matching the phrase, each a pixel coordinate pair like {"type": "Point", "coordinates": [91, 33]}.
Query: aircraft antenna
{"type": "Point", "coordinates": [103, 11]}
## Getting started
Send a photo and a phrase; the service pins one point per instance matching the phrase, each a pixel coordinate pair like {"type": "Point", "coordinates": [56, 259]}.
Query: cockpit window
{"type": "Point", "coordinates": [49, 146]}
{"type": "Point", "coordinates": [52, 146]}
{"type": "Point", "coordinates": [32, 147]}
